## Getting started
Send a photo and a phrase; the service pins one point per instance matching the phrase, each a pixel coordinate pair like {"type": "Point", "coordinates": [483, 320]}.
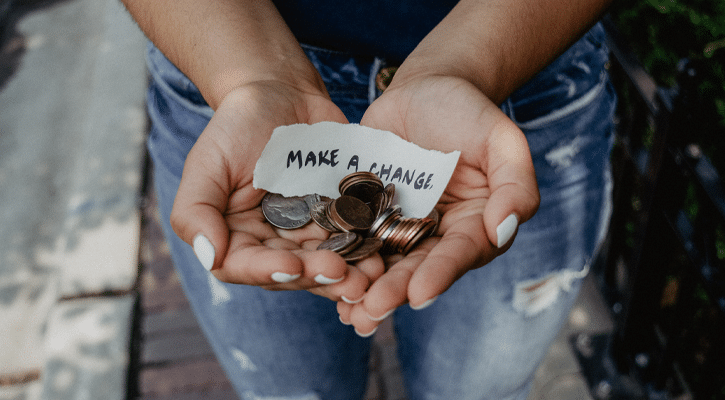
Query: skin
{"type": "Point", "coordinates": [443, 97]}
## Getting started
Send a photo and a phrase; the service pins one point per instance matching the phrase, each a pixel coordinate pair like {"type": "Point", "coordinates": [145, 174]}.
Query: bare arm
{"type": "Point", "coordinates": [499, 44]}
{"type": "Point", "coordinates": [224, 44]}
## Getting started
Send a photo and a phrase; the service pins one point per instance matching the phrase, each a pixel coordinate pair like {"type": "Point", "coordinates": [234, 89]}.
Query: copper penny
{"type": "Point", "coordinates": [362, 185]}
{"type": "Point", "coordinates": [389, 194]}
{"type": "Point", "coordinates": [423, 232]}
{"type": "Point", "coordinates": [350, 214]}
{"type": "Point", "coordinates": [378, 204]}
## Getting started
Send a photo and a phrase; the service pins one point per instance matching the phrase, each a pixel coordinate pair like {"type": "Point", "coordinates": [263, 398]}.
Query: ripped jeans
{"type": "Point", "coordinates": [486, 335]}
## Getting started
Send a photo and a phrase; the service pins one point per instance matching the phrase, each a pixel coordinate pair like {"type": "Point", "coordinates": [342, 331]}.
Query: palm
{"type": "Point", "coordinates": [216, 197]}
{"type": "Point", "coordinates": [494, 178]}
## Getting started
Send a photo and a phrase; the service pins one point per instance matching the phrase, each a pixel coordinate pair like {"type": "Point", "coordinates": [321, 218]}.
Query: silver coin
{"type": "Point", "coordinates": [312, 199]}
{"type": "Point", "coordinates": [368, 247]}
{"type": "Point", "coordinates": [318, 211]}
{"type": "Point", "coordinates": [285, 212]}
{"type": "Point", "coordinates": [342, 243]}
{"type": "Point", "coordinates": [380, 220]}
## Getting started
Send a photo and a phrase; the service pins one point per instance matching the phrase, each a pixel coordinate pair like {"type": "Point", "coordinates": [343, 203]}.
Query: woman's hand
{"type": "Point", "coordinates": [492, 190]}
{"type": "Point", "coordinates": [217, 210]}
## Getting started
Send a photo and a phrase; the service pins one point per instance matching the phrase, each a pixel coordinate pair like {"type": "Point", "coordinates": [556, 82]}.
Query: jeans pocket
{"type": "Point", "coordinates": [349, 78]}
{"type": "Point", "coordinates": [575, 76]}
{"type": "Point", "coordinates": [174, 84]}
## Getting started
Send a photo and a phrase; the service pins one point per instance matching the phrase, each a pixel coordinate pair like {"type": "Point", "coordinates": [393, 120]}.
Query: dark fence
{"type": "Point", "coordinates": [661, 270]}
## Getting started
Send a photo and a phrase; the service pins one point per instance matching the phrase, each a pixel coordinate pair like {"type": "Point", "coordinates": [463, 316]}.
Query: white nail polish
{"type": "Point", "coordinates": [506, 229]}
{"type": "Point", "coordinates": [366, 334]}
{"type": "Point", "coordinates": [348, 301]}
{"type": "Point", "coordinates": [204, 251]}
{"type": "Point", "coordinates": [281, 277]}
{"type": "Point", "coordinates": [382, 317]}
{"type": "Point", "coordinates": [424, 304]}
{"type": "Point", "coordinates": [343, 322]}
{"type": "Point", "coordinates": [323, 280]}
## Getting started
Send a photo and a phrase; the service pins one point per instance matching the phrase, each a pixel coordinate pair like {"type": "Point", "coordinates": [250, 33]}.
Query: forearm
{"type": "Point", "coordinates": [222, 44]}
{"type": "Point", "coordinates": [500, 44]}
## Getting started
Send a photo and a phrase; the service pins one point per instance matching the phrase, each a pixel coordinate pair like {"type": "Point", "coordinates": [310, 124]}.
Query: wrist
{"type": "Point", "coordinates": [301, 77]}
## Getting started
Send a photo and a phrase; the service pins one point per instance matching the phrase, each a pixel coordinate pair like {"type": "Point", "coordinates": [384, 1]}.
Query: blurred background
{"type": "Point", "coordinates": [90, 307]}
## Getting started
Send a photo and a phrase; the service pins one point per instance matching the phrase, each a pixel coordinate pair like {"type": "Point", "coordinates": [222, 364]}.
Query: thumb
{"type": "Point", "coordinates": [197, 216]}
{"type": "Point", "coordinates": [514, 195]}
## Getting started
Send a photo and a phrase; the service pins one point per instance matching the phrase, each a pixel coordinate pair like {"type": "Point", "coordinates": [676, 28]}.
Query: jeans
{"type": "Point", "coordinates": [481, 339]}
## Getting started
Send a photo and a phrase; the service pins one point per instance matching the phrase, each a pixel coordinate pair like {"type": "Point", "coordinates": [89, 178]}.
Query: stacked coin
{"type": "Point", "coordinates": [364, 218]}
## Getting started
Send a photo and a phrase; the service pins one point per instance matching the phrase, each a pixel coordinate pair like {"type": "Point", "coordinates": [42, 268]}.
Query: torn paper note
{"type": "Point", "coordinates": [303, 159]}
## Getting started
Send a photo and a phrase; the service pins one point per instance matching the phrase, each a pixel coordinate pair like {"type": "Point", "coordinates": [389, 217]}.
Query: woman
{"type": "Point", "coordinates": [519, 88]}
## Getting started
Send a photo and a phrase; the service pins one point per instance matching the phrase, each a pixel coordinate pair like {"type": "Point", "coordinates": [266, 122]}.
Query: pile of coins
{"type": "Point", "coordinates": [364, 219]}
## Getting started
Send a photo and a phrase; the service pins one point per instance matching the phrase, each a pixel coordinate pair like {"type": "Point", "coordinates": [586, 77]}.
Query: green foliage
{"type": "Point", "coordinates": [663, 32]}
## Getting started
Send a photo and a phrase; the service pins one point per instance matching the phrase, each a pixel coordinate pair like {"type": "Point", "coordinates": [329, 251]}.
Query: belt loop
{"type": "Point", "coordinates": [372, 87]}
{"type": "Point", "coordinates": [508, 108]}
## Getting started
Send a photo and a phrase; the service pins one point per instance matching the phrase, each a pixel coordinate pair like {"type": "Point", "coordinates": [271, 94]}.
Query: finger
{"type": "Point", "coordinates": [353, 286]}
{"type": "Point", "coordinates": [373, 267]}
{"type": "Point", "coordinates": [462, 247]}
{"type": "Point", "coordinates": [370, 269]}
{"type": "Point", "coordinates": [250, 262]}
{"type": "Point", "coordinates": [344, 310]}
{"type": "Point", "coordinates": [323, 267]}
{"type": "Point", "coordinates": [364, 326]}
{"type": "Point", "coordinates": [352, 290]}
{"type": "Point", "coordinates": [197, 214]}
{"type": "Point", "coordinates": [514, 196]}
{"type": "Point", "coordinates": [390, 290]}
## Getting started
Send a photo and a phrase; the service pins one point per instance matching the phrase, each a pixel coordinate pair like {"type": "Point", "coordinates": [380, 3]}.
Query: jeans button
{"type": "Point", "coordinates": [385, 75]}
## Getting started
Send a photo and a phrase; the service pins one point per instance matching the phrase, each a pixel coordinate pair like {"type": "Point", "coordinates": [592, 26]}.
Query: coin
{"type": "Point", "coordinates": [435, 216]}
{"type": "Point", "coordinates": [368, 247]}
{"type": "Point", "coordinates": [389, 194]}
{"type": "Point", "coordinates": [380, 221]}
{"type": "Point", "coordinates": [361, 185]}
{"type": "Point", "coordinates": [378, 204]}
{"type": "Point", "coordinates": [398, 234]}
{"type": "Point", "coordinates": [365, 206]}
{"type": "Point", "coordinates": [387, 231]}
{"type": "Point", "coordinates": [312, 199]}
{"type": "Point", "coordinates": [342, 243]}
{"type": "Point", "coordinates": [350, 214]}
{"type": "Point", "coordinates": [285, 212]}
{"type": "Point", "coordinates": [318, 211]}
{"type": "Point", "coordinates": [427, 229]}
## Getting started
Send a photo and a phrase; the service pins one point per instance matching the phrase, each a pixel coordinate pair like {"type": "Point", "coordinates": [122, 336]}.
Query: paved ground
{"type": "Point", "coordinates": [72, 125]}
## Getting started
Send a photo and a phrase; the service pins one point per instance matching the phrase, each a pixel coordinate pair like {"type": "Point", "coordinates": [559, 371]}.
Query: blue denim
{"type": "Point", "coordinates": [479, 340]}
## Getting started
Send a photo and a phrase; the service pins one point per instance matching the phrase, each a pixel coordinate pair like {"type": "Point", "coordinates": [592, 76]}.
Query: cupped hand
{"type": "Point", "coordinates": [218, 212]}
{"type": "Point", "coordinates": [492, 190]}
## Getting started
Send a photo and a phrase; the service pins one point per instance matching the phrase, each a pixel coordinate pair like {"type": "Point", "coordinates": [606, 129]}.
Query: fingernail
{"type": "Point", "coordinates": [204, 251]}
{"type": "Point", "coordinates": [343, 322]}
{"type": "Point", "coordinates": [424, 304]}
{"type": "Point", "coordinates": [323, 280]}
{"type": "Point", "coordinates": [366, 334]}
{"type": "Point", "coordinates": [348, 301]}
{"type": "Point", "coordinates": [506, 229]}
{"type": "Point", "coordinates": [382, 317]}
{"type": "Point", "coordinates": [281, 277]}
